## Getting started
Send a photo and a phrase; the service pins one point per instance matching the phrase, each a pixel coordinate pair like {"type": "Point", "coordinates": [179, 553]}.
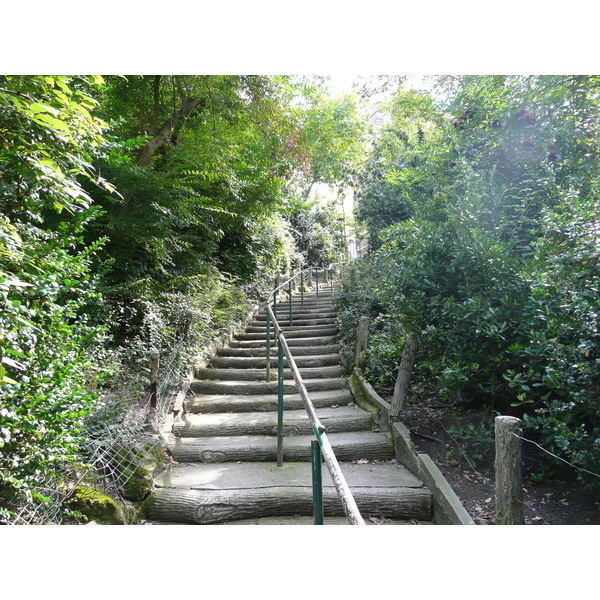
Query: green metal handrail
{"type": "Point", "coordinates": [273, 298]}
{"type": "Point", "coordinates": [322, 448]}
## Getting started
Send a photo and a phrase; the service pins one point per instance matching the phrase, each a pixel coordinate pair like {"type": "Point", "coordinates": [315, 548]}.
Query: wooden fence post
{"type": "Point", "coordinates": [508, 465]}
{"type": "Point", "coordinates": [407, 363]}
{"type": "Point", "coordinates": [362, 340]}
{"type": "Point", "coordinates": [153, 363]}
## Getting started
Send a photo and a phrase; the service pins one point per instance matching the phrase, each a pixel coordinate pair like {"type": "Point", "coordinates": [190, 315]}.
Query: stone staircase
{"type": "Point", "coordinates": [225, 443]}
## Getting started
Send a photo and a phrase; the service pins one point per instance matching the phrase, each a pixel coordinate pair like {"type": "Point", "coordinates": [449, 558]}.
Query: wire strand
{"type": "Point", "coordinates": [554, 455]}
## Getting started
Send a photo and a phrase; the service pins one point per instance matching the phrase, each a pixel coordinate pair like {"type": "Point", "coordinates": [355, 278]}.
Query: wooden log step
{"type": "Point", "coordinates": [308, 324]}
{"type": "Point", "coordinates": [295, 422]}
{"type": "Point", "coordinates": [347, 446]}
{"type": "Point", "coordinates": [306, 520]}
{"type": "Point", "coordinates": [290, 333]}
{"type": "Point", "coordinates": [209, 386]}
{"type": "Point", "coordinates": [250, 362]}
{"type": "Point", "coordinates": [298, 315]}
{"type": "Point", "coordinates": [310, 303]}
{"type": "Point", "coordinates": [206, 493]}
{"type": "Point", "coordinates": [260, 374]}
{"type": "Point", "coordinates": [299, 351]}
{"type": "Point", "coordinates": [248, 403]}
{"type": "Point", "coordinates": [292, 342]}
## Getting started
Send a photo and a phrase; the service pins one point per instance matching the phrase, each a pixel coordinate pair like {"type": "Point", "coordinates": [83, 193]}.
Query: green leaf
{"type": "Point", "coordinates": [36, 108]}
{"type": "Point", "coordinates": [54, 123]}
{"type": "Point", "coordinates": [12, 363]}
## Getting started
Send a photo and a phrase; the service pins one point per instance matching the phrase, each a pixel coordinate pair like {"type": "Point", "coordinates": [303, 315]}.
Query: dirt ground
{"type": "Point", "coordinates": [459, 448]}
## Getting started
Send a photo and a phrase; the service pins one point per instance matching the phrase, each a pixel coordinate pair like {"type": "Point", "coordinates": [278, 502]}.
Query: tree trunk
{"type": "Point", "coordinates": [145, 152]}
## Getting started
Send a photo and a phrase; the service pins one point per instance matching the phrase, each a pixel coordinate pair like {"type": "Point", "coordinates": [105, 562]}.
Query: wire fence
{"type": "Point", "coordinates": [115, 440]}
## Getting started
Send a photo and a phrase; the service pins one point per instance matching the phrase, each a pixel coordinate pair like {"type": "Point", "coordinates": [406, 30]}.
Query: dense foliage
{"type": "Point", "coordinates": [486, 236]}
{"type": "Point", "coordinates": [48, 138]}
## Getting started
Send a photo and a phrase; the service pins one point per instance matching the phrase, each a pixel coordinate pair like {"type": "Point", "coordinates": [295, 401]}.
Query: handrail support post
{"type": "Point", "coordinates": [317, 482]}
{"type": "Point", "coordinates": [268, 346]}
{"type": "Point", "coordinates": [290, 301]}
{"type": "Point", "coordinates": [279, 402]}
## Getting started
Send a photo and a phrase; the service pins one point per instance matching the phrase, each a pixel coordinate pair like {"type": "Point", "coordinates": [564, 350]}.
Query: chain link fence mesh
{"type": "Point", "coordinates": [115, 439]}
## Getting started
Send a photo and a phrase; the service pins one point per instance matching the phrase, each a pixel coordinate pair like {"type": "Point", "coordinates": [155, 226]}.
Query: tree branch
{"type": "Point", "coordinates": [145, 152]}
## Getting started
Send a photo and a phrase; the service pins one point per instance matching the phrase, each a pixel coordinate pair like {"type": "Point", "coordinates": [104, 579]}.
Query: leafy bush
{"type": "Point", "coordinates": [496, 272]}
{"type": "Point", "coordinates": [47, 341]}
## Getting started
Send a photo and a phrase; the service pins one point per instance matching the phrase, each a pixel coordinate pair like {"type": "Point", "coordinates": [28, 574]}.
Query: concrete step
{"type": "Point", "coordinates": [262, 388]}
{"type": "Point", "coordinates": [216, 403]}
{"type": "Point", "coordinates": [321, 340]}
{"type": "Point", "coordinates": [298, 315]}
{"type": "Point", "coordinates": [296, 323]}
{"type": "Point", "coordinates": [260, 374]}
{"type": "Point", "coordinates": [257, 362]}
{"type": "Point", "coordinates": [291, 333]}
{"type": "Point", "coordinates": [312, 306]}
{"type": "Point", "coordinates": [299, 351]}
{"type": "Point", "coordinates": [298, 520]}
{"type": "Point", "coordinates": [364, 445]}
{"type": "Point", "coordinates": [295, 422]}
{"type": "Point", "coordinates": [214, 493]}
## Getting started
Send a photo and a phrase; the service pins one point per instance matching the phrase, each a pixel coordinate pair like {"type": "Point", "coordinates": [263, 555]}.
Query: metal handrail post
{"type": "Point", "coordinates": [279, 401]}
{"type": "Point", "coordinates": [275, 303]}
{"type": "Point", "coordinates": [290, 301]}
{"type": "Point", "coordinates": [268, 346]}
{"type": "Point", "coordinates": [317, 482]}
{"type": "Point", "coordinates": [341, 486]}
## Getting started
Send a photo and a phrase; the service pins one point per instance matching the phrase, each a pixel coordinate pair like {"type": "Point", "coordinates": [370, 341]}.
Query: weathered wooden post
{"type": "Point", "coordinates": [362, 340]}
{"type": "Point", "coordinates": [153, 363]}
{"type": "Point", "coordinates": [407, 363]}
{"type": "Point", "coordinates": [508, 465]}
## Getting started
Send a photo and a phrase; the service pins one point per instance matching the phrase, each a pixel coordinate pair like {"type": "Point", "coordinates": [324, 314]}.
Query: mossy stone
{"type": "Point", "coordinates": [98, 506]}
{"type": "Point", "coordinates": [143, 464]}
